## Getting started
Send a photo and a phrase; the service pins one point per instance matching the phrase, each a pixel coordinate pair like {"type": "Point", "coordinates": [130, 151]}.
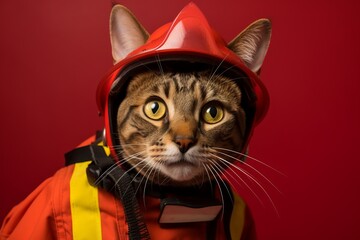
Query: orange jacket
{"type": "Point", "coordinates": [66, 206]}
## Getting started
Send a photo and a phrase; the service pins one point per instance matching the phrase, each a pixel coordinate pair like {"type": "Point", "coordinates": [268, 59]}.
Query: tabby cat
{"type": "Point", "coordinates": [176, 126]}
{"type": "Point", "coordinates": [182, 127]}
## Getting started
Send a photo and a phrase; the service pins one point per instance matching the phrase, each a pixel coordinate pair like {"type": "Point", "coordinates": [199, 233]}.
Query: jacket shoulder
{"type": "Point", "coordinates": [42, 214]}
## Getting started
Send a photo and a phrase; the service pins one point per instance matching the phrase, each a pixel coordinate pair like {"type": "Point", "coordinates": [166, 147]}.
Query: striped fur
{"type": "Point", "coordinates": [180, 147]}
{"type": "Point", "coordinates": [153, 147]}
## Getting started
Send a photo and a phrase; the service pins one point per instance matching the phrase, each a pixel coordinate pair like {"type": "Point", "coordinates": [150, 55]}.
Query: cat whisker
{"type": "Point", "coordinates": [208, 175]}
{"type": "Point", "coordinates": [133, 179]}
{"type": "Point", "coordinates": [251, 178]}
{"type": "Point", "coordinates": [142, 179]}
{"type": "Point", "coordinates": [118, 164]}
{"type": "Point", "coordinates": [118, 180]}
{"type": "Point", "coordinates": [210, 168]}
{"type": "Point", "coordinates": [198, 182]}
{"type": "Point", "coordinates": [217, 68]}
{"type": "Point", "coordinates": [228, 163]}
{"type": "Point", "coordinates": [152, 168]}
{"type": "Point", "coordinates": [115, 165]}
{"type": "Point", "coordinates": [236, 179]}
{"type": "Point", "coordinates": [119, 149]}
{"type": "Point", "coordinates": [221, 169]}
{"type": "Point", "coordinates": [227, 69]}
{"type": "Point", "coordinates": [124, 145]}
{"type": "Point", "coordinates": [147, 67]}
{"type": "Point", "coordinates": [110, 169]}
{"type": "Point", "coordinates": [249, 157]}
{"type": "Point", "coordinates": [161, 69]}
{"type": "Point", "coordinates": [158, 61]}
{"type": "Point", "coordinates": [104, 174]}
{"type": "Point", "coordinates": [165, 180]}
{"type": "Point", "coordinates": [246, 164]}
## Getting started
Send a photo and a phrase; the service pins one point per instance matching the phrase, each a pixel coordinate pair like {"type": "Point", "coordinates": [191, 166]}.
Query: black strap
{"type": "Point", "coordinates": [104, 172]}
{"type": "Point", "coordinates": [81, 154]}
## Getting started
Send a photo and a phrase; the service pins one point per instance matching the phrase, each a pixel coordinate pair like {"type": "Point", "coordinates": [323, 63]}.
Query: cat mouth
{"type": "Point", "coordinates": [180, 163]}
{"type": "Point", "coordinates": [180, 169]}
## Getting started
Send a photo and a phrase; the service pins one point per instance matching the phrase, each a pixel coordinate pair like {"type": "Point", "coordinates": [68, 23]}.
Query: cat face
{"type": "Point", "coordinates": [182, 127]}
{"type": "Point", "coordinates": [169, 124]}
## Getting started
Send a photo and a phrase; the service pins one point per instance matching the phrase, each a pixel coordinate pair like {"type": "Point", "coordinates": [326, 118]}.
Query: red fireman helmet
{"type": "Point", "coordinates": [188, 41]}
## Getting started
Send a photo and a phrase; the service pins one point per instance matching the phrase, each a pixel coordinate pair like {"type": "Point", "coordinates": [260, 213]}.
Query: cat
{"type": "Point", "coordinates": [182, 127]}
{"type": "Point", "coordinates": [175, 124]}
{"type": "Point", "coordinates": [179, 124]}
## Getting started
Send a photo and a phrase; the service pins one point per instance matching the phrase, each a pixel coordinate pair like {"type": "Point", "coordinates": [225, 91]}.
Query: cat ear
{"type": "Point", "coordinates": [252, 44]}
{"type": "Point", "coordinates": [126, 33]}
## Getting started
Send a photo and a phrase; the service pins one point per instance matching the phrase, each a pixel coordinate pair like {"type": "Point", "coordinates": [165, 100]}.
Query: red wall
{"type": "Point", "coordinates": [53, 54]}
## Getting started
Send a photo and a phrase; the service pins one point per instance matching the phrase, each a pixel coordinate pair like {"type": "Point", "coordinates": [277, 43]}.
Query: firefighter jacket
{"type": "Point", "coordinates": [66, 207]}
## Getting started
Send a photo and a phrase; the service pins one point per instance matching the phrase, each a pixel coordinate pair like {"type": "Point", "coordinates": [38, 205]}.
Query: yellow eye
{"type": "Point", "coordinates": [212, 113]}
{"type": "Point", "coordinates": [155, 109]}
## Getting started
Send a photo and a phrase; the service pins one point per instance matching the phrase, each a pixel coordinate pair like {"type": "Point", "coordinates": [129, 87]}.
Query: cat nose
{"type": "Point", "coordinates": [184, 143]}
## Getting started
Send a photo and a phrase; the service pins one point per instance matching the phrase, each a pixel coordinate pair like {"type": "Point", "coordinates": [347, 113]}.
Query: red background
{"type": "Point", "coordinates": [53, 54]}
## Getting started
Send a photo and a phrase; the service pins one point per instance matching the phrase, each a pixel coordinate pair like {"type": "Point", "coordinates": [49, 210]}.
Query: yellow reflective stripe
{"type": "Point", "coordinates": [237, 220]}
{"type": "Point", "coordinates": [84, 203]}
{"type": "Point", "coordinates": [106, 148]}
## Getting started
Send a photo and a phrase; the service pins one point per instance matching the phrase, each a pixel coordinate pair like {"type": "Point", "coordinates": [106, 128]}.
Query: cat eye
{"type": "Point", "coordinates": [212, 113]}
{"type": "Point", "coordinates": [155, 109]}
